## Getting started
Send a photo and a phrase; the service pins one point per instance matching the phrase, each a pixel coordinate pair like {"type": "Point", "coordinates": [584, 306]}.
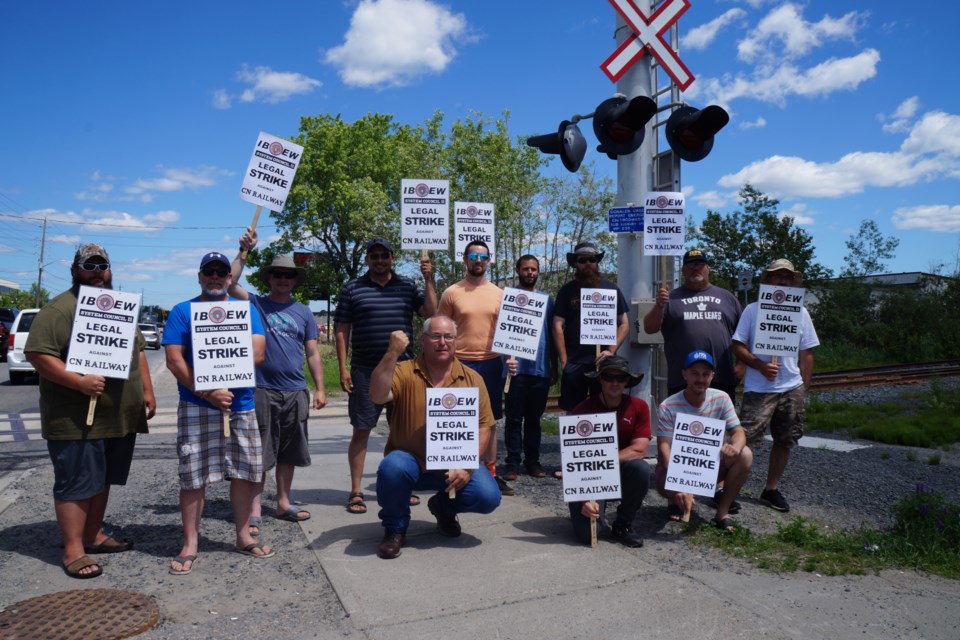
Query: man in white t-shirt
{"type": "Point", "coordinates": [774, 392]}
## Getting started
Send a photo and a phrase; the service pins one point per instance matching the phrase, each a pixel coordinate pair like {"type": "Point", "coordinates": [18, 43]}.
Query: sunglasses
{"type": "Point", "coordinates": [379, 256]}
{"type": "Point", "coordinates": [209, 272]}
{"type": "Point", "coordinates": [284, 275]}
{"type": "Point", "coordinates": [93, 266]}
{"type": "Point", "coordinates": [610, 377]}
{"type": "Point", "coordinates": [483, 257]}
{"type": "Point", "coordinates": [590, 260]}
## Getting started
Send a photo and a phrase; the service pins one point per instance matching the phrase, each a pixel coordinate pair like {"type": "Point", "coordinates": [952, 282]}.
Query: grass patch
{"type": "Point", "coordinates": [929, 420]}
{"type": "Point", "coordinates": [925, 536]}
{"type": "Point", "coordinates": [550, 425]}
{"type": "Point", "coordinates": [331, 370]}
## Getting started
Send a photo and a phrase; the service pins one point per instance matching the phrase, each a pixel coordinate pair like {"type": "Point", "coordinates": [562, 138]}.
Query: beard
{"type": "Point", "coordinates": [528, 283]}
{"type": "Point", "coordinates": [589, 279]}
{"type": "Point", "coordinates": [211, 291]}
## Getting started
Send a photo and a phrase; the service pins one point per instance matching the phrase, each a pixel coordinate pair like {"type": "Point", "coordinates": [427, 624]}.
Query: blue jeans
{"type": "Point", "coordinates": [399, 475]}
{"type": "Point", "coordinates": [492, 373]}
{"type": "Point", "coordinates": [525, 404]}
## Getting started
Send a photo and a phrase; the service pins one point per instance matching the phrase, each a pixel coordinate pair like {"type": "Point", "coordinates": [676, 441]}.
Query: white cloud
{"type": "Point", "coordinates": [930, 151]}
{"type": "Point", "coordinates": [178, 179]}
{"type": "Point", "coordinates": [935, 217]}
{"type": "Point", "coordinates": [701, 37]}
{"type": "Point", "coordinates": [759, 123]}
{"type": "Point", "coordinates": [899, 121]}
{"type": "Point", "coordinates": [395, 42]}
{"type": "Point", "coordinates": [222, 99]}
{"type": "Point", "coordinates": [109, 221]}
{"type": "Point", "coordinates": [713, 199]}
{"type": "Point", "coordinates": [5, 248]}
{"type": "Point", "coordinates": [798, 211]}
{"type": "Point", "coordinates": [775, 84]}
{"type": "Point", "coordinates": [61, 238]}
{"type": "Point", "coordinates": [784, 33]}
{"type": "Point", "coordinates": [272, 86]}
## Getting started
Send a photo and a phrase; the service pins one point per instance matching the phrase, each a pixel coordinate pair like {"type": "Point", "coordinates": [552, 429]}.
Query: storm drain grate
{"type": "Point", "coordinates": [83, 614]}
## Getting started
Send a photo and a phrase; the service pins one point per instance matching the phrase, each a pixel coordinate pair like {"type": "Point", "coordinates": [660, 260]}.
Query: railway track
{"type": "Point", "coordinates": [867, 377]}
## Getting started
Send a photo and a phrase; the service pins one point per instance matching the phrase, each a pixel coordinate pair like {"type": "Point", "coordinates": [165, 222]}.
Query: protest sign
{"type": "Point", "coordinates": [663, 232]}
{"type": "Point", "coordinates": [779, 317]}
{"type": "Point", "coordinates": [472, 221]}
{"type": "Point", "coordinates": [625, 220]}
{"type": "Point", "coordinates": [453, 428]}
{"type": "Point", "coordinates": [271, 171]}
{"type": "Point", "coordinates": [104, 332]}
{"type": "Point", "coordinates": [424, 214]}
{"type": "Point", "coordinates": [520, 323]}
{"type": "Point", "coordinates": [590, 457]}
{"type": "Point", "coordinates": [222, 344]}
{"type": "Point", "coordinates": [695, 455]}
{"type": "Point", "coordinates": [598, 316]}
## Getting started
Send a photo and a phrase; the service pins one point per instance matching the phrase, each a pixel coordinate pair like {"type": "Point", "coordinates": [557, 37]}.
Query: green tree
{"type": "Point", "coordinates": [868, 250]}
{"type": "Point", "coordinates": [25, 299]}
{"type": "Point", "coordinates": [750, 239]}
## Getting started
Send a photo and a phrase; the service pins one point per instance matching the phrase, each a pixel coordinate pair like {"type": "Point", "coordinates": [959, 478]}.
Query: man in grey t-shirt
{"type": "Point", "coordinates": [282, 400]}
{"type": "Point", "coordinates": [696, 315]}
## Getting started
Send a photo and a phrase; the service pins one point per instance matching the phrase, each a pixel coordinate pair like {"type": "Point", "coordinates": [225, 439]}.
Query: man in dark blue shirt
{"type": "Point", "coordinates": [370, 308]}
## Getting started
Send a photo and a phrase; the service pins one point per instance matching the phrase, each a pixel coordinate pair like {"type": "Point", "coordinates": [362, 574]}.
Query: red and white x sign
{"type": "Point", "coordinates": [648, 34]}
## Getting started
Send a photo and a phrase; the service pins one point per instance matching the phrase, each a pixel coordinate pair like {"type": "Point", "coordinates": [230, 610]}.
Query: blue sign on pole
{"type": "Point", "coordinates": [625, 219]}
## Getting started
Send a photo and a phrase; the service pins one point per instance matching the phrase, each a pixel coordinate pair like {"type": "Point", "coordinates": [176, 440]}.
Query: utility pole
{"type": "Point", "coordinates": [634, 179]}
{"type": "Point", "coordinates": [43, 243]}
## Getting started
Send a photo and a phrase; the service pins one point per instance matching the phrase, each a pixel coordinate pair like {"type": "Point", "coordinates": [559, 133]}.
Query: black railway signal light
{"type": "Point", "coordinates": [619, 124]}
{"type": "Point", "coordinates": [568, 142]}
{"type": "Point", "coordinates": [690, 131]}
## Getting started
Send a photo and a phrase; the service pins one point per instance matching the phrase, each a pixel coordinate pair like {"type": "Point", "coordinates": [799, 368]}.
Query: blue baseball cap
{"type": "Point", "coordinates": [698, 356]}
{"type": "Point", "coordinates": [214, 256]}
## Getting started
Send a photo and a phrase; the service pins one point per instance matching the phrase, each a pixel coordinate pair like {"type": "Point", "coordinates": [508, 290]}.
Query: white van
{"type": "Point", "coordinates": [18, 366]}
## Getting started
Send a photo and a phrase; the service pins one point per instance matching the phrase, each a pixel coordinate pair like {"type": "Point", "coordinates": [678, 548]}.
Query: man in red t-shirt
{"type": "Point", "coordinates": [633, 439]}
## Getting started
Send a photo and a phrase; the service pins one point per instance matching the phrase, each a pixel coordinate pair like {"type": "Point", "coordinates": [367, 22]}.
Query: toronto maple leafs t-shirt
{"type": "Point", "coordinates": [700, 320]}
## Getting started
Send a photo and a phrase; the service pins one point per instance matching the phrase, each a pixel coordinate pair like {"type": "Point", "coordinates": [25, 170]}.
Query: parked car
{"type": "Point", "coordinates": [17, 365]}
{"type": "Point", "coordinates": [150, 334]}
{"type": "Point", "coordinates": [7, 316]}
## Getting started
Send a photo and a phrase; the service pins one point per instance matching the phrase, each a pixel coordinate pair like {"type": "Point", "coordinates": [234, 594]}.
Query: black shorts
{"type": "Point", "coordinates": [83, 468]}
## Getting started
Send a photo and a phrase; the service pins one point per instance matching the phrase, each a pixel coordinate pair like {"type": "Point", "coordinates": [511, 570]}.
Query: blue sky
{"type": "Point", "coordinates": [131, 123]}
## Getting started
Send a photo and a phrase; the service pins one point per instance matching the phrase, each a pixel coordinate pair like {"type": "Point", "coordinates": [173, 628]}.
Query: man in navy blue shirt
{"type": "Point", "coordinates": [370, 308]}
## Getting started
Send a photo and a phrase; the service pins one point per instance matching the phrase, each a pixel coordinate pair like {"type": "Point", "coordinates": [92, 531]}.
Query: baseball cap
{"type": "Point", "coordinates": [379, 241]}
{"type": "Point", "coordinates": [214, 256]}
{"type": "Point", "coordinates": [698, 356]}
{"type": "Point", "coordinates": [694, 255]}
{"type": "Point", "coordinates": [87, 251]}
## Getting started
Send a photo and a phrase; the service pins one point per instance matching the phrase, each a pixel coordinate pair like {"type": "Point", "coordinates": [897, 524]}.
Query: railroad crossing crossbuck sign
{"type": "Point", "coordinates": [648, 35]}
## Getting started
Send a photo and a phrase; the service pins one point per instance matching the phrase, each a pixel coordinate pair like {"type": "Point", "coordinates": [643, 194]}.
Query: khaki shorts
{"type": "Point", "coordinates": [783, 412]}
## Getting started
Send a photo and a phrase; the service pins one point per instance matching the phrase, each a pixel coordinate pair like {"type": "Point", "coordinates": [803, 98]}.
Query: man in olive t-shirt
{"type": "Point", "coordinates": [87, 460]}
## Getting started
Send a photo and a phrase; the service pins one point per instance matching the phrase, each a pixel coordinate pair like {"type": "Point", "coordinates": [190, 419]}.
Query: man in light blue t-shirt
{"type": "Point", "coordinates": [282, 400]}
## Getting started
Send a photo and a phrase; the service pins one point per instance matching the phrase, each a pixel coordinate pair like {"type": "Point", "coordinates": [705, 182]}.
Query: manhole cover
{"type": "Point", "coordinates": [84, 614]}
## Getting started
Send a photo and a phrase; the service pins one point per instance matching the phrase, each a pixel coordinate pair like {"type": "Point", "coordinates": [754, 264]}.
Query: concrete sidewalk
{"type": "Point", "coordinates": [518, 573]}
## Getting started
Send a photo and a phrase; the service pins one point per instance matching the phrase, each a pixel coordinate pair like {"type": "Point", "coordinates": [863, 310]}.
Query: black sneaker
{"type": "Point", "coordinates": [447, 524]}
{"type": "Point", "coordinates": [625, 535]}
{"type": "Point", "coordinates": [734, 506]}
{"type": "Point", "coordinates": [510, 471]}
{"type": "Point", "coordinates": [505, 489]}
{"type": "Point", "coordinates": [774, 499]}
{"type": "Point", "coordinates": [391, 543]}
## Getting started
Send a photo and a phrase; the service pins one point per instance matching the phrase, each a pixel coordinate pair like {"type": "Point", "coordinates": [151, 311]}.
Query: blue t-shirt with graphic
{"type": "Point", "coordinates": [289, 326]}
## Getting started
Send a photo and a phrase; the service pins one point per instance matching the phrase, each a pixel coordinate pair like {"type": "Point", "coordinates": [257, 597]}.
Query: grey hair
{"type": "Point", "coordinates": [429, 323]}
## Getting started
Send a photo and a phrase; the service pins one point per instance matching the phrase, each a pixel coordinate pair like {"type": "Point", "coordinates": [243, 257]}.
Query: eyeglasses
{"type": "Point", "coordinates": [483, 257]}
{"type": "Point", "coordinates": [610, 377]}
{"type": "Point", "coordinates": [94, 266]}
{"type": "Point", "coordinates": [379, 256]}
{"type": "Point", "coordinates": [590, 260]}
{"type": "Point", "coordinates": [210, 272]}
{"type": "Point", "coordinates": [284, 275]}
{"type": "Point", "coordinates": [436, 337]}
